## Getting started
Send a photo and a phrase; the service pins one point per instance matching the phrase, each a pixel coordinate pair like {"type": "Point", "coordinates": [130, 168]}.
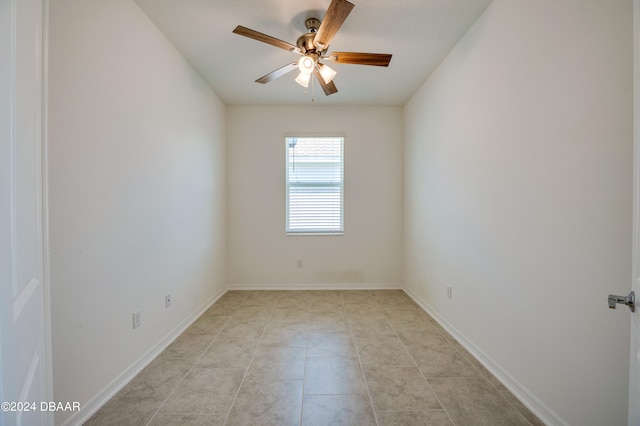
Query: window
{"type": "Point", "coordinates": [314, 176]}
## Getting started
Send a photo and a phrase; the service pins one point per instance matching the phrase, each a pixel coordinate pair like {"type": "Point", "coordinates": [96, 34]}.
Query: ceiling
{"type": "Point", "coordinates": [419, 34]}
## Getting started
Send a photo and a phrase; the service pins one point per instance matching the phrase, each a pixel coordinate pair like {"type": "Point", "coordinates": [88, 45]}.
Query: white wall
{"type": "Point", "coordinates": [137, 189]}
{"type": "Point", "coordinates": [518, 174]}
{"type": "Point", "coordinates": [370, 251]}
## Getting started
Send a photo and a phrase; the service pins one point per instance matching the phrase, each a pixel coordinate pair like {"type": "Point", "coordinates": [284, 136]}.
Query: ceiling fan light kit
{"type": "Point", "coordinates": [313, 46]}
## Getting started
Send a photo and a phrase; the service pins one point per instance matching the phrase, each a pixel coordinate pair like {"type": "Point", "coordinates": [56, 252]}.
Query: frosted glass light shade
{"type": "Point", "coordinates": [303, 79]}
{"type": "Point", "coordinates": [327, 73]}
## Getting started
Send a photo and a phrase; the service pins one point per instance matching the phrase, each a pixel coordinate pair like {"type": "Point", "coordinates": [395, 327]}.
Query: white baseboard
{"type": "Point", "coordinates": [94, 404]}
{"type": "Point", "coordinates": [342, 286]}
{"type": "Point", "coordinates": [544, 413]}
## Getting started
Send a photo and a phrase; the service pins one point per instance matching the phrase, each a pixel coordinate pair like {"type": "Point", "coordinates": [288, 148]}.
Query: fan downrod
{"type": "Point", "coordinates": [312, 24]}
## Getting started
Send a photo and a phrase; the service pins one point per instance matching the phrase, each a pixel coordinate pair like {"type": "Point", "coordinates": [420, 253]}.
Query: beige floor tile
{"type": "Point", "coordinates": [130, 411]}
{"type": "Point", "coordinates": [220, 310]}
{"type": "Point", "coordinates": [363, 311]}
{"type": "Point", "coordinates": [277, 403]}
{"type": "Point", "coordinates": [233, 297]}
{"type": "Point", "coordinates": [294, 299]}
{"type": "Point", "coordinates": [188, 345]}
{"type": "Point", "coordinates": [291, 335]}
{"type": "Point", "coordinates": [521, 408]}
{"type": "Point", "coordinates": [337, 410]}
{"type": "Point", "coordinates": [358, 296]}
{"type": "Point", "coordinates": [292, 344]}
{"type": "Point", "coordinates": [158, 379]}
{"type": "Point", "coordinates": [371, 328]}
{"type": "Point", "coordinates": [205, 391]}
{"type": "Point", "coordinates": [399, 388]}
{"type": "Point", "coordinates": [335, 320]}
{"type": "Point", "coordinates": [475, 401]}
{"type": "Point", "coordinates": [425, 336]}
{"type": "Point", "coordinates": [325, 306]}
{"type": "Point", "coordinates": [333, 376]}
{"type": "Point", "coordinates": [253, 313]}
{"type": "Point", "coordinates": [388, 294]}
{"type": "Point", "coordinates": [228, 353]}
{"type": "Point", "coordinates": [243, 328]}
{"type": "Point", "coordinates": [289, 315]}
{"type": "Point", "coordinates": [261, 298]}
{"type": "Point", "coordinates": [163, 419]}
{"type": "Point", "coordinates": [335, 295]}
{"type": "Point", "coordinates": [277, 363]}
{"type": "Point", "coordinates": [481, 369]}
{"type": "Point", "coordinates": [404, 313]}
{"type": "Point", "coordinates": [441, 361]}
{"type": "Point", "coordinates": [330, 344]}
{"type": "Point", "coordinates": [208, 324]}
{"type": "Point", "coordinates": [369, 308]}
{"type": "Point", "coordinates": [413, 418]}
{"type": "Point", "coordinates": [384, 351]}
{"type": "Point", "coordinates": [416, 323]}
{"type": "Point", "coordinates": [397, 299]}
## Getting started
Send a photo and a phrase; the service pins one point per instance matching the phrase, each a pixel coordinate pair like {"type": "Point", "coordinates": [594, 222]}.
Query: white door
{"type": "Point", "coordinates": [24, 350]}
{"type": "Point", "coordinates": [634, 363]}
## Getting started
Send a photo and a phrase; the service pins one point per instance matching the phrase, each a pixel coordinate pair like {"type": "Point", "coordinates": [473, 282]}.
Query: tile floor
{"type": "Point", "coordinates": [314, 358]}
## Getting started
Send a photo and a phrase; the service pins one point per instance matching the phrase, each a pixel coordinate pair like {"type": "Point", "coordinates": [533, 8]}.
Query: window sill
{"type": "Point", "coordinates": [293, 234]}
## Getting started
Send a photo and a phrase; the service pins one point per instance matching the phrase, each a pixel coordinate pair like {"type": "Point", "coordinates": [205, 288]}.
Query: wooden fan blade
{"type": "Point", "coordinates": [329, 89]}
{"type": "Point", "coordinates": [277, 73]}
{"type": "Point", "coordinates": [333, 20]}
{"type": "Point", "coordinates": [247, 32]}
{"type": "Point", "coordinates": [376, 59]}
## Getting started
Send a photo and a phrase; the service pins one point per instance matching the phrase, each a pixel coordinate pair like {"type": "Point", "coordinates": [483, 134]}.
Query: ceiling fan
{"type": "Point", "coordinates": [313, 45]}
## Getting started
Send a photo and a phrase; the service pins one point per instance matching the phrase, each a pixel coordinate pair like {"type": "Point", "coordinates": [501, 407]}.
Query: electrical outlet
{"type": "Point", "coordinates": [137, 319]}
{"type": "Point", "coordinates": [167, 300]}
{"type": "Point", "coordinates": [449, 292]}
{"type": "Point", "coordinates": [299, 263]}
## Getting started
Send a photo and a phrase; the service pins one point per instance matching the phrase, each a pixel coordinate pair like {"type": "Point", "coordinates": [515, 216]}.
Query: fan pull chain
{"type": "Point", "coordinates": [313, 98]}
{"type": "Point", "coordinates": [313, 85]}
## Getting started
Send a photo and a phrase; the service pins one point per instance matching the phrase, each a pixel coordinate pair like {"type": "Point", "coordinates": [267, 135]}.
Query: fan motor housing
{"type": "Point", "coordinates": [305, 42]}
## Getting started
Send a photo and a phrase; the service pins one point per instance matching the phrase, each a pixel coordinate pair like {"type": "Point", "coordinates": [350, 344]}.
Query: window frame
{"type": "Point", "coordinates": [341, 185]}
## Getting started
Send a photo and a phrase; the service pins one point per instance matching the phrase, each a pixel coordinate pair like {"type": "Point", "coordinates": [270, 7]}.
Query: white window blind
{"type": "Point", "coordinates": [314, 176]}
